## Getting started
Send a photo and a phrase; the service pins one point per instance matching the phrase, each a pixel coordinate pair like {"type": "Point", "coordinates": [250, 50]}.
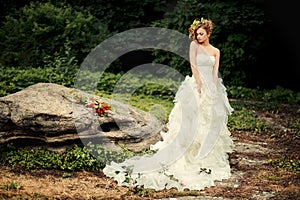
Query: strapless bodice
{"type": "Point", "coordinates": [204, 60]}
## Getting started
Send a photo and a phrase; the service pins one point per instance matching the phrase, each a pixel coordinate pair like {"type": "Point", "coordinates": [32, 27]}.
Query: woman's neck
{"type": "Point", "coordinates": [205, 43]}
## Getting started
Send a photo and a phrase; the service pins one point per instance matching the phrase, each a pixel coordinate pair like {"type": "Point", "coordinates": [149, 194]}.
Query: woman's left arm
{"type": "Point", "coordinates": [216, 67]}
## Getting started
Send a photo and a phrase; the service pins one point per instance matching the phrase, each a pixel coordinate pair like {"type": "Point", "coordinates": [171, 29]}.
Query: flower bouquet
{"type": "Point", "coordinates": [100, 107]}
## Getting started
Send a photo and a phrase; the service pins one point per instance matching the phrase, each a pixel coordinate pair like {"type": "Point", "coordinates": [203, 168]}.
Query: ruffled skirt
{"type": "Point", "coordinates": [194, 151]}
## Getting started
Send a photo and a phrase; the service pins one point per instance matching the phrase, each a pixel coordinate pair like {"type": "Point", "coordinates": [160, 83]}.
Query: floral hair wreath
{"type": "Point", "coordinates": [193, 26]}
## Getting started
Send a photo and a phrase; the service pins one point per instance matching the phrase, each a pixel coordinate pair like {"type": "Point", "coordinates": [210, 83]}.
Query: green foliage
{"type": "Point", "coordinates": [13, 80]}
{"type": "Point", "coordinates": [235, 33]}
{"type": "Point", "coordinates": [174, 61]}
{"type": "Point", "coordinates": [65, 65]}
{"type": "Point", "coordinates": [12, 186]}
{"type": "Point", "coordinates": [138, 84]}
{"type": "Point", "coordinates": [278, 94]}
{"type": "Point", "coordinates": [79, 158]}
{"type": "Point", "coordinates": [59, 69]}
{"type": "Point", "coordinates": [245, 120]}
{"type": "Point", "coordinates": [292, 130]}
{"type": "Point", "coordinates": [255, 105]}
{"type": "Point", "coordinates": [67, 175]}
{"type": "Point", "coordinates": [34, 32]}
{"type": "Point", "coordinates": [205, 170]}
{"type": "Point", "coordinates": [166, 89]}
{"type": "Point", "coordinates": [63, 69]}
{"type": "Point", "coordinates": [42, 30]}
{"type": "Point", "coordinates": [290, 164]}
{"type": "Point", "coordinates": [72, 159]}
{"type": "Point", "coordinates": [92, 157]}
{"type": "Point", "coordinates": [160, 107]}
{"type": "Point", "coordinates": [140, 190]}
{"type": "Point", "coordinates": [287, 163]}
{"type": "Point", "coordinates": [108, 81]}
{"type": "Point", "coordinates": [105, 156]}
{"type": "Point", "coordinates": [122, 16]}
{"type": "Point", "coordinates": [31, 158]}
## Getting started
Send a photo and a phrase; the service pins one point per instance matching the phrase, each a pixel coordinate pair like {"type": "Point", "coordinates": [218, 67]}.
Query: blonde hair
{"type": "Point", "coordinates": [206, 24]}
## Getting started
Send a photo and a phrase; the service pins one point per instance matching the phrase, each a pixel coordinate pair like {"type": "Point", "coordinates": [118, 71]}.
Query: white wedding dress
{"type": "Point", "coordinates": [194, 151]}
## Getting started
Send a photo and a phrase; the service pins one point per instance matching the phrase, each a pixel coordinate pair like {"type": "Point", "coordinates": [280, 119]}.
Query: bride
{"type": "Point", "coordinates": [194, 151]}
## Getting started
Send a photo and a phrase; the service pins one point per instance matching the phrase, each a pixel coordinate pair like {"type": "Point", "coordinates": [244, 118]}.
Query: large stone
{"type": "Point", "coordinates": [45, 114]}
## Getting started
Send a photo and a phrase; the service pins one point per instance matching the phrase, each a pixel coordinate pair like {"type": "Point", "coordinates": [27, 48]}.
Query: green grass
{"type": "Point", "coordinates": [159, 106]}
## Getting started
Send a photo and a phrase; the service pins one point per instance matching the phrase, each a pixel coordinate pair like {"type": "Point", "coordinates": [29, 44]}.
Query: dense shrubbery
{"type": "Point", "coordinates": [278, 94]}
{"type": "Point", "coordinates": [13, 80]}
{"type": "Point", "coordinates": [34, 32]}
{"type": "Point", "coordinates": [42, 29]}
{"type": "Point", "coordinates": [37, 31]}
{"type": "Point", "coordinates": [59, 69]}
{"type": "Point", "coordinates": [235, 34]}
{"type": "Point", "coordinates": [74, 158]}
{"type": "Point", "coordinates": [122, 16]}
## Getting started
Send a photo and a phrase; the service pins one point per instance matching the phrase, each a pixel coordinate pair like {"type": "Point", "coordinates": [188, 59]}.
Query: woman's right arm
{"type": "Point", "coordinates": [193, 53]}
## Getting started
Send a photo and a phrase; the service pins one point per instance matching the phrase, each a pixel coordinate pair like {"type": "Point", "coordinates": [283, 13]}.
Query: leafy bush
{"type": "Point", "coordinates": [43, 29]}
{"type": "Point", "coordinates": [139, 84]}
{"type": "Point", "coordinates": [235, 34]}
{"type": "Point", "coordinates": [122, 16]}
{"type": "Point", "coordinates": [93, 157]}
{"type": "Point", "coordinates": [13, 80]}
{"type": "Point", "coordinates": [59, 69]}
{"type": "Point", "coordinates": [30, 158]}
{"type": "Point", "coordinates": [63, 70]}
{"type": "Point", "coordinates": [278, 94]}
{"type": "Point", "coordinates": [79, 158]}
{"type": "Point", "coordinates": [245, 120]}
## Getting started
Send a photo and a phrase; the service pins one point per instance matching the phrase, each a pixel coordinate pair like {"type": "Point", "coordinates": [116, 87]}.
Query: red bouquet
{"type": "Point", "coordinates": [99, 106]}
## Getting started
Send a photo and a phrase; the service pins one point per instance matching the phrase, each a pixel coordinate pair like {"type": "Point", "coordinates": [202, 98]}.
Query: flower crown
{"type": "Point", "coordinates": [193, 26]}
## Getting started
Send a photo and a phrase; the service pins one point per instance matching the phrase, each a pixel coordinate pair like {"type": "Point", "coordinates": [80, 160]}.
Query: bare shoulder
{"type": "Point", "coordinates": [193, 43]}
{"type": "Point", "coordinates": [216, 51]}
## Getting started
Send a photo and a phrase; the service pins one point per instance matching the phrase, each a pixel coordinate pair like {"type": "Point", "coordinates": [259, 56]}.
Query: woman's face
{"type": "Point", "coordinates": [201, 35]}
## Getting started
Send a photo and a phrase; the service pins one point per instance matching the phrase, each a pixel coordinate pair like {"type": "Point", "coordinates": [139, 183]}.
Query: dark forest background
{"type": "Point", "coordinates": [258, 39]}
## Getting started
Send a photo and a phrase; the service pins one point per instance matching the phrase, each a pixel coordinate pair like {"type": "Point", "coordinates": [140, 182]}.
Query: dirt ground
{"type": "Point", "coordinates": [256, 172]}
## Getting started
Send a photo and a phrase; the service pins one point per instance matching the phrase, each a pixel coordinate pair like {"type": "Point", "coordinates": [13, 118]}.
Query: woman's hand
{"type": "Point", "coordinates": [199, 88]}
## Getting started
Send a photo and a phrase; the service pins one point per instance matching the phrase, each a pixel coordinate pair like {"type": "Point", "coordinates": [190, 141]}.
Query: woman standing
{"type": "Point", "coordinates": [194, 151]}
